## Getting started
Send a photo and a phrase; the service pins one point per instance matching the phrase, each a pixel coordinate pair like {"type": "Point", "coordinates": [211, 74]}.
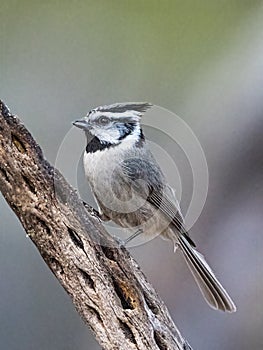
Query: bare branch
{"type": "Point", "coordinates": [105, 283]}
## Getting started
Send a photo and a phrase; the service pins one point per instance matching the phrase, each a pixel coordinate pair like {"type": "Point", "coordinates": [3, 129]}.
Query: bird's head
{"type": "Point", "coordinates": [113, 123]}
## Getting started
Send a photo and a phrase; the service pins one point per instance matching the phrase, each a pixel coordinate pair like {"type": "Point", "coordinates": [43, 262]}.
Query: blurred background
{"type": "Point", "coordinates": [203, 60]}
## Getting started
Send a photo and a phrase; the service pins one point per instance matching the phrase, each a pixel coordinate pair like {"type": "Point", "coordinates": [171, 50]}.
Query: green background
{"type": "Point", "coordinates": [203, 60]}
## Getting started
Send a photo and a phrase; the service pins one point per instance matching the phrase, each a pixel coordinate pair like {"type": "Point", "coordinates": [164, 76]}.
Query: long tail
{"type": "Point", "coordinates": [212, 290]}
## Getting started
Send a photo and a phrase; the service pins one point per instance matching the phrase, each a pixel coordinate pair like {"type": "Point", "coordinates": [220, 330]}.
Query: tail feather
{"type": "Point", "coordinates": [210, 287]}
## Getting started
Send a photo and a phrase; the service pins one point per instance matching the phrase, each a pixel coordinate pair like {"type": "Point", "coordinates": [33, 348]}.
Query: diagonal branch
{"type": "Point", "coordinates": [106, 285]}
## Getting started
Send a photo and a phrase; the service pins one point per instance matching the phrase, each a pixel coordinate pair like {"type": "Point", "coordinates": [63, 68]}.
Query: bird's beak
{"type": "Point", "coordinates": [82, 124]}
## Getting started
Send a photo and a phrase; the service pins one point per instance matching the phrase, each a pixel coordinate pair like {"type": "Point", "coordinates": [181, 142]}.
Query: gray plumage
{"type": "Point", "coordinates": [132, 191]}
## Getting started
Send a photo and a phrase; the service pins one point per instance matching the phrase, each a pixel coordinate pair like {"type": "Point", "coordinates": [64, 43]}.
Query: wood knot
{"type": "Point", "coordinates": [127, 294]}
{"type": "Point", "coordinates": [18, 144]}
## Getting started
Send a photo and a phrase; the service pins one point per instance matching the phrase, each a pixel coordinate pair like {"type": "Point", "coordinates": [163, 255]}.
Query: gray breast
{"type": "Point", "coordinates": [120, 182]}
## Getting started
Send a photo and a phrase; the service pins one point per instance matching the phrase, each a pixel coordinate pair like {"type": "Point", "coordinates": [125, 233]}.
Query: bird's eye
{"type": "Point", "coordinates": [103, 120]}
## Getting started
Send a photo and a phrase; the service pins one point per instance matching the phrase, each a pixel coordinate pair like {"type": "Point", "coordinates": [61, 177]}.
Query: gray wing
{"type": "Point", "coordinates": [153, 187]}
{"type": "Point", "coordinates": [147, 179]}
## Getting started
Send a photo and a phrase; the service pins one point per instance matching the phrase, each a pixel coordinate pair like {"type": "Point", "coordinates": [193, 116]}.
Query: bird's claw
{"type": "Point", "coordinates": [93, 212]}
{"type": "Point", "coordinates": [121, 243]}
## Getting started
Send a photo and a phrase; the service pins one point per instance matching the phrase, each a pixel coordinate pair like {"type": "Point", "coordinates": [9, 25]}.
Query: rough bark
{"type": "Point", "coordinates": [104, 282]}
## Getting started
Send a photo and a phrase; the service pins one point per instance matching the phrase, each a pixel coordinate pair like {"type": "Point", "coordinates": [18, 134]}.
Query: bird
{"type": "Point", "coordinates": [131, 190]}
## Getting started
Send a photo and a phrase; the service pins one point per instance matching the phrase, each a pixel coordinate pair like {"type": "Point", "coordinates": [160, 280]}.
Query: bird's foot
{"type": "Point", "coordinates": [95, 213]}
{"type": "Point", "coordinates": [124, 242]}
{"type": "Point", "coordinates": [121, 243]}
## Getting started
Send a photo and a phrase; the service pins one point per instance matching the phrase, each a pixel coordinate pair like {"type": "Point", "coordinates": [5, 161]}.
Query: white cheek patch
{"type": "Point", "coordinates": [108, 135]}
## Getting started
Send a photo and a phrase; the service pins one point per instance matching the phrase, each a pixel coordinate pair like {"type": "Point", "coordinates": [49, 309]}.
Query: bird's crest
{"type": "Point", "coordinates": [139, 107]}
{"type": "Point", "coordinates": [125, 111]}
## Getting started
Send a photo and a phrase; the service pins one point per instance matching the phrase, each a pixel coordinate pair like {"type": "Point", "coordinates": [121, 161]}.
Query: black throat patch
{"type": "Point", "coordinates": [94, 144]}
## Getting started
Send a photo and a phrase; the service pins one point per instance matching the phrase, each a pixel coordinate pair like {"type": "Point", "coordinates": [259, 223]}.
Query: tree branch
{"type": "Point", "coordinates": [104, 282]}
